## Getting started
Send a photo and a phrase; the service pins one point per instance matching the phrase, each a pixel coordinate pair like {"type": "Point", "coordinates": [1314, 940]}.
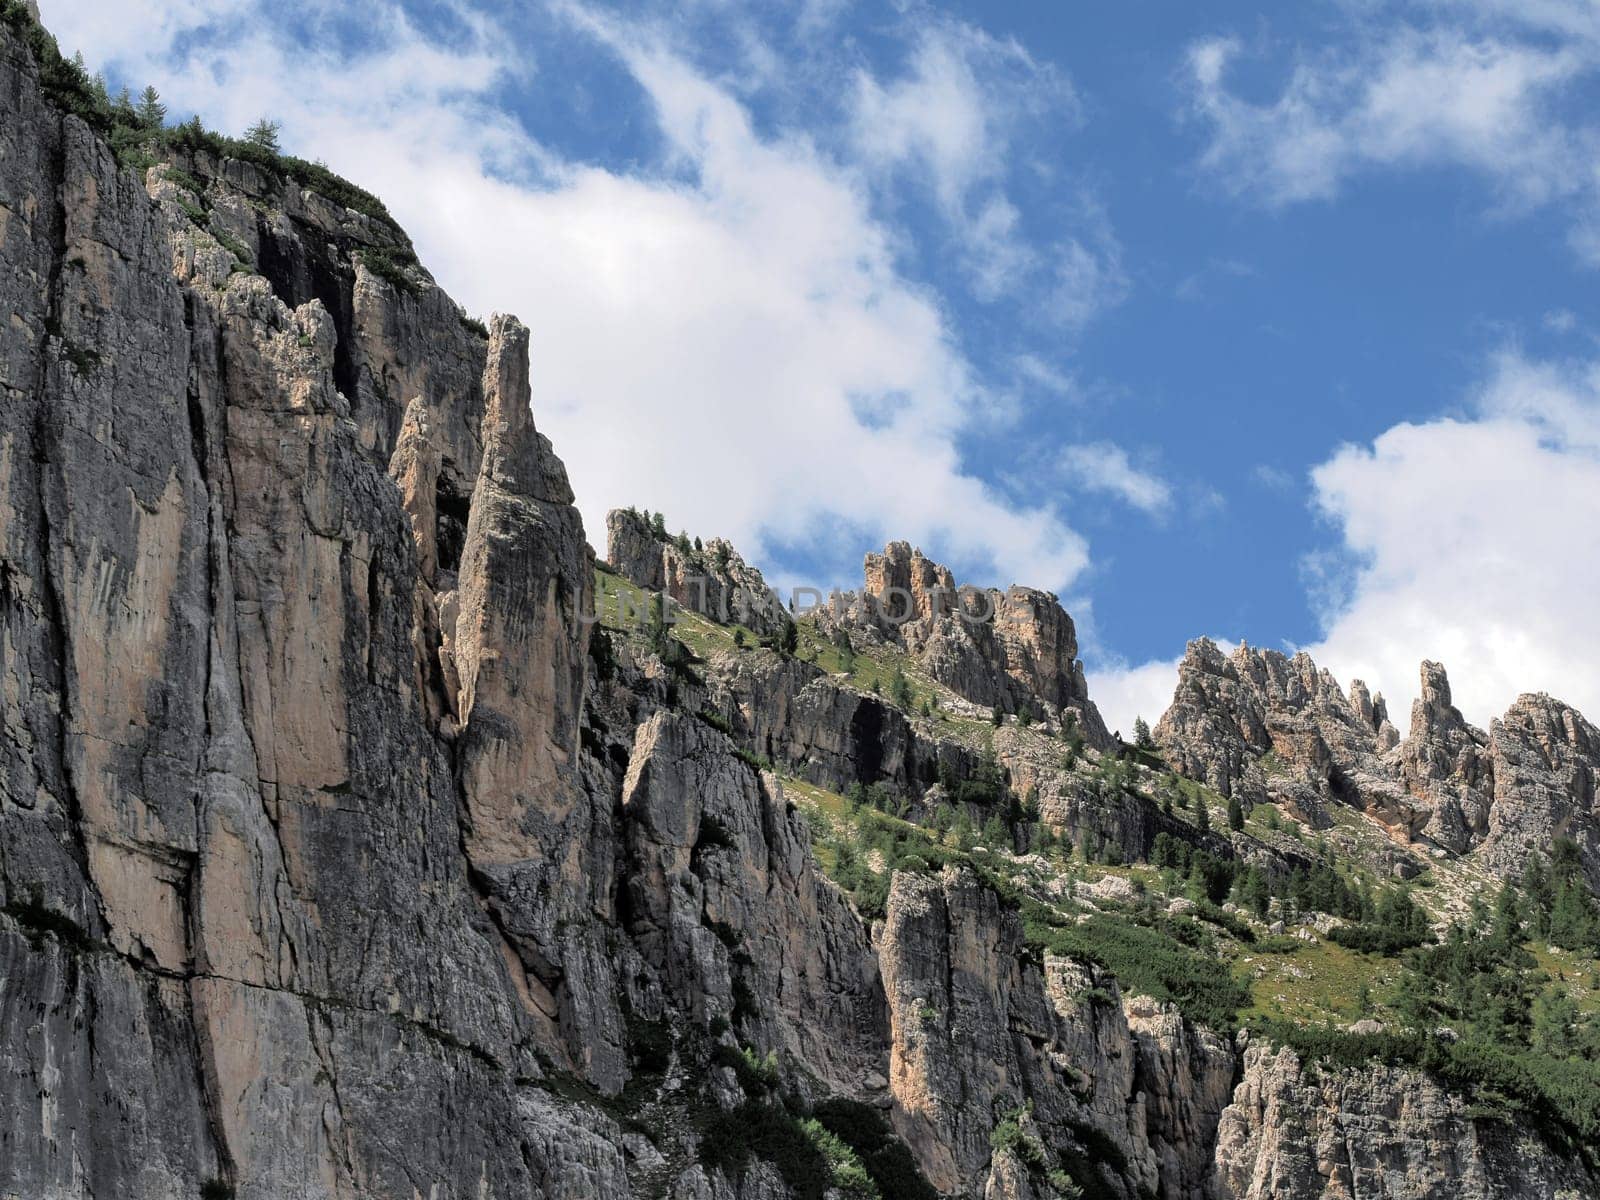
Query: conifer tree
{"type": "Point", "coordinates": [150, 112]}
{"type": "Point", "coordinates": [263, 135]}
{"type": "Point", "coordinates": [900, 690]}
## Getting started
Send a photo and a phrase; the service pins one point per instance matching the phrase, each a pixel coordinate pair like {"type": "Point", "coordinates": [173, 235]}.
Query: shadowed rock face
{"type": "Point", "coordinates": [332, 866]}
{"type": "Point", "coordinates": [978, 1029]}
{"type": "Point", "coordinates": [1265, 727]}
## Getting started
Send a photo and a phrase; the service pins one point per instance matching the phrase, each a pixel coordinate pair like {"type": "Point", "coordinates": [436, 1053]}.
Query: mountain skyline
{"type": "Point", "coordinates": [1264, 327]}
{"type": "Point", "coordinates": [404, 841]}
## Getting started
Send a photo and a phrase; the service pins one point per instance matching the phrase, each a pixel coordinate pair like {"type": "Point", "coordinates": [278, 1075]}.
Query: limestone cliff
{"type": "Point", "coordinates": [1014, 650]}
{"type": "Point", "coordinates": [1294, 1131]}
{"type": "Point", "coordinates": [340, 856]}
{"type": "Point", "coordinates": [713, 580]}
{"type": "Point", "coordinates": [1265, 727]}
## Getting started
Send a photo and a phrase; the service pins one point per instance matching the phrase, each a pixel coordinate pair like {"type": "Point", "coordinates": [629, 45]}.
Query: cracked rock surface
{"type": "Point", "coordinates": [332, 865]}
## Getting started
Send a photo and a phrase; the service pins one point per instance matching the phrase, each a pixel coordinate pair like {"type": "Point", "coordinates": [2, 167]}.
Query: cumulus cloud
{"type": "Point", "coordinates": [1123, 692]}
{"type": "Point", "coordinates": [1482, 86]}
{"type": "Point", "coordinates": [1475, 541]}
{"type": "Point", "coordinates": [724, 334]}
{"type": "Point", "coordinates": [1472, 539]}
{"type": "Point", "coordinates": [1105, 468]}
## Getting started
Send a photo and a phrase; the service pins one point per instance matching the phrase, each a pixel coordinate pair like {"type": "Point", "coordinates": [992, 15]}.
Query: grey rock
{"type": "Point", "coordinates": [330, 866]}
{"type": "Point", "coordinates": [1294, 1134]}
{"type": "Point", "coordinates": [714, 581]}
{"type": "Point", "coordinates": [1266, 727]}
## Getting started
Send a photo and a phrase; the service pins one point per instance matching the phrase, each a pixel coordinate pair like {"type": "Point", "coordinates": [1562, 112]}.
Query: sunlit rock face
{"type": "Point", "coordinates": [341, 857]}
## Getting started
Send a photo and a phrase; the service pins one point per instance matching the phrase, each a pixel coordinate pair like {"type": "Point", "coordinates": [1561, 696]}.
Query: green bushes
{"type": "Point", "coordinates": [756, 762]}
{"type": "Point", "coordinates": [131, 131]}
{"type": "Point", "coordinates": [876, 796]}
{"type": "Point", "coordinates": [1397, 924]}
{"type": "Point", "coordinates": [315, 177]}
{"type": "Point", "coordinates": [811, 1159]}
{"type": "Point", "coordinates": [1008, 1136]}
{"type": "Point", "coordinates": [757, 1075]}
{"type": "Point", "coordinates": [1556, 901]}
{"type": "Point", "coordinates": [1234, 927]}
{"type": "Point", "coordinates": [1073, 1168]}
{"type": "Point", "coordinates": [392, 266]}
{"type": "Point", "coordinates": [985, 786]}
{"type": "Point", "coordinates": [900, 691]}
{"type": "Point", "coordinates": [233, 246]}
{"type": "Point", "coordinates": [1338, 1048]}
{"type": "Point", "coordinates": [1557, 1094]}
{"type": "Point", "coordinates": [886, 1158]}
{"type": "Point", "coordinates": [1211, 877]}
{"type": "Point", "coordinates": [1373, 939]}
{"type": "Point", "coordinates": [716, 721]}
{"type": "Point", "coordinates": [1149, 960]}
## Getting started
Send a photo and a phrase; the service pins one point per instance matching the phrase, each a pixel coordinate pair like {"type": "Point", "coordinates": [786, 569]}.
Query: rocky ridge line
{"type": "Point", "coordinates": [362, 857]}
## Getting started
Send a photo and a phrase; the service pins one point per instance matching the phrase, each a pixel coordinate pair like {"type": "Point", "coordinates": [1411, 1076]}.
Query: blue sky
{"type": "Point", "coordinates": [1259, 322]}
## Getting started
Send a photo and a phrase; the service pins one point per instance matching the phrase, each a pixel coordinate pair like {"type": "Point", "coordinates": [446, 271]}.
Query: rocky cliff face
{"type": "Point", "coordinates": [275, 784]}
{"type": "Point", "coordinates": [713, 581]}
{"type": "Point", "coordinates": [1295, 1131]}
{"type": "Point", "coordinates": [1116, 1094]}
{"type": "Point", "coordinates": [1265, 727]}
{"type": "Point", "coordinates": [1015, 650]}
{"type": "Point", "coordinates": [338, 860]}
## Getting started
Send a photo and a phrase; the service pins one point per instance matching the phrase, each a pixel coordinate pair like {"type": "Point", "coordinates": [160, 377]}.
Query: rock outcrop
{"type": "Point", "coordinates": [338, 859]}
{"type": "Point", "coordinates": [1298, 1133]}
{"type": "Point", "coordinates": [1443, 764]}
{"type": "Point", "coordinates": [1544, 769]}
{"type": "Point", "coordinates": [1119, 1094]}
{"type": "Point", "coordinates": [1014, 650]}
{"type": "Point", "coordinates": [307, 825]}
{"type": "Point", "coordinates": [1262, 726]}
{"type": "Point", "coordinates": [713, 580]}
{"type": "Point", "coordinates": [231, 860]}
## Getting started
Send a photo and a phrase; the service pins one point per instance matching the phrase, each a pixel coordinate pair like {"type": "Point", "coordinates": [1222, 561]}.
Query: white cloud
{"type": "Point", "coordinates": [706, 334]}
{"type": "Point", "coordinates": [1274, 479]}
{"type": "Point", "coordinates": [1123, 692]}
{"type": "Point", "coordinates": [1088, 279]}
{"type": "Point", "coordinates": [1474, 541]}
{"type": "Point", "coordinates": [106, 33]}
{"type": "Point", "coordinates": [1482, 90]}
{"type": "Point", "coordinates": [1105, 468]}
{"type": "Point", "coordinates": [952, 119]}
{"type": "Point", "coordinates": [945, 115]}
{"type": "Point", "coordinates": [1046, 375]}
{"type": "Point", "coordinates": [1196, 286]}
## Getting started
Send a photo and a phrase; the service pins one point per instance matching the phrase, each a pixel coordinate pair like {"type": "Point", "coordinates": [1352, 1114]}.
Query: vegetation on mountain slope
{"type": "Point", "coordinates": [1502, 1004]}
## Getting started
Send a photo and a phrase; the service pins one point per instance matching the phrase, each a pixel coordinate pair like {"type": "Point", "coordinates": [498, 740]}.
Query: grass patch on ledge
{"type": "Point", "coordinates": [1319, 981]}
{"type": "Point", "coordinates": [617, 597]}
